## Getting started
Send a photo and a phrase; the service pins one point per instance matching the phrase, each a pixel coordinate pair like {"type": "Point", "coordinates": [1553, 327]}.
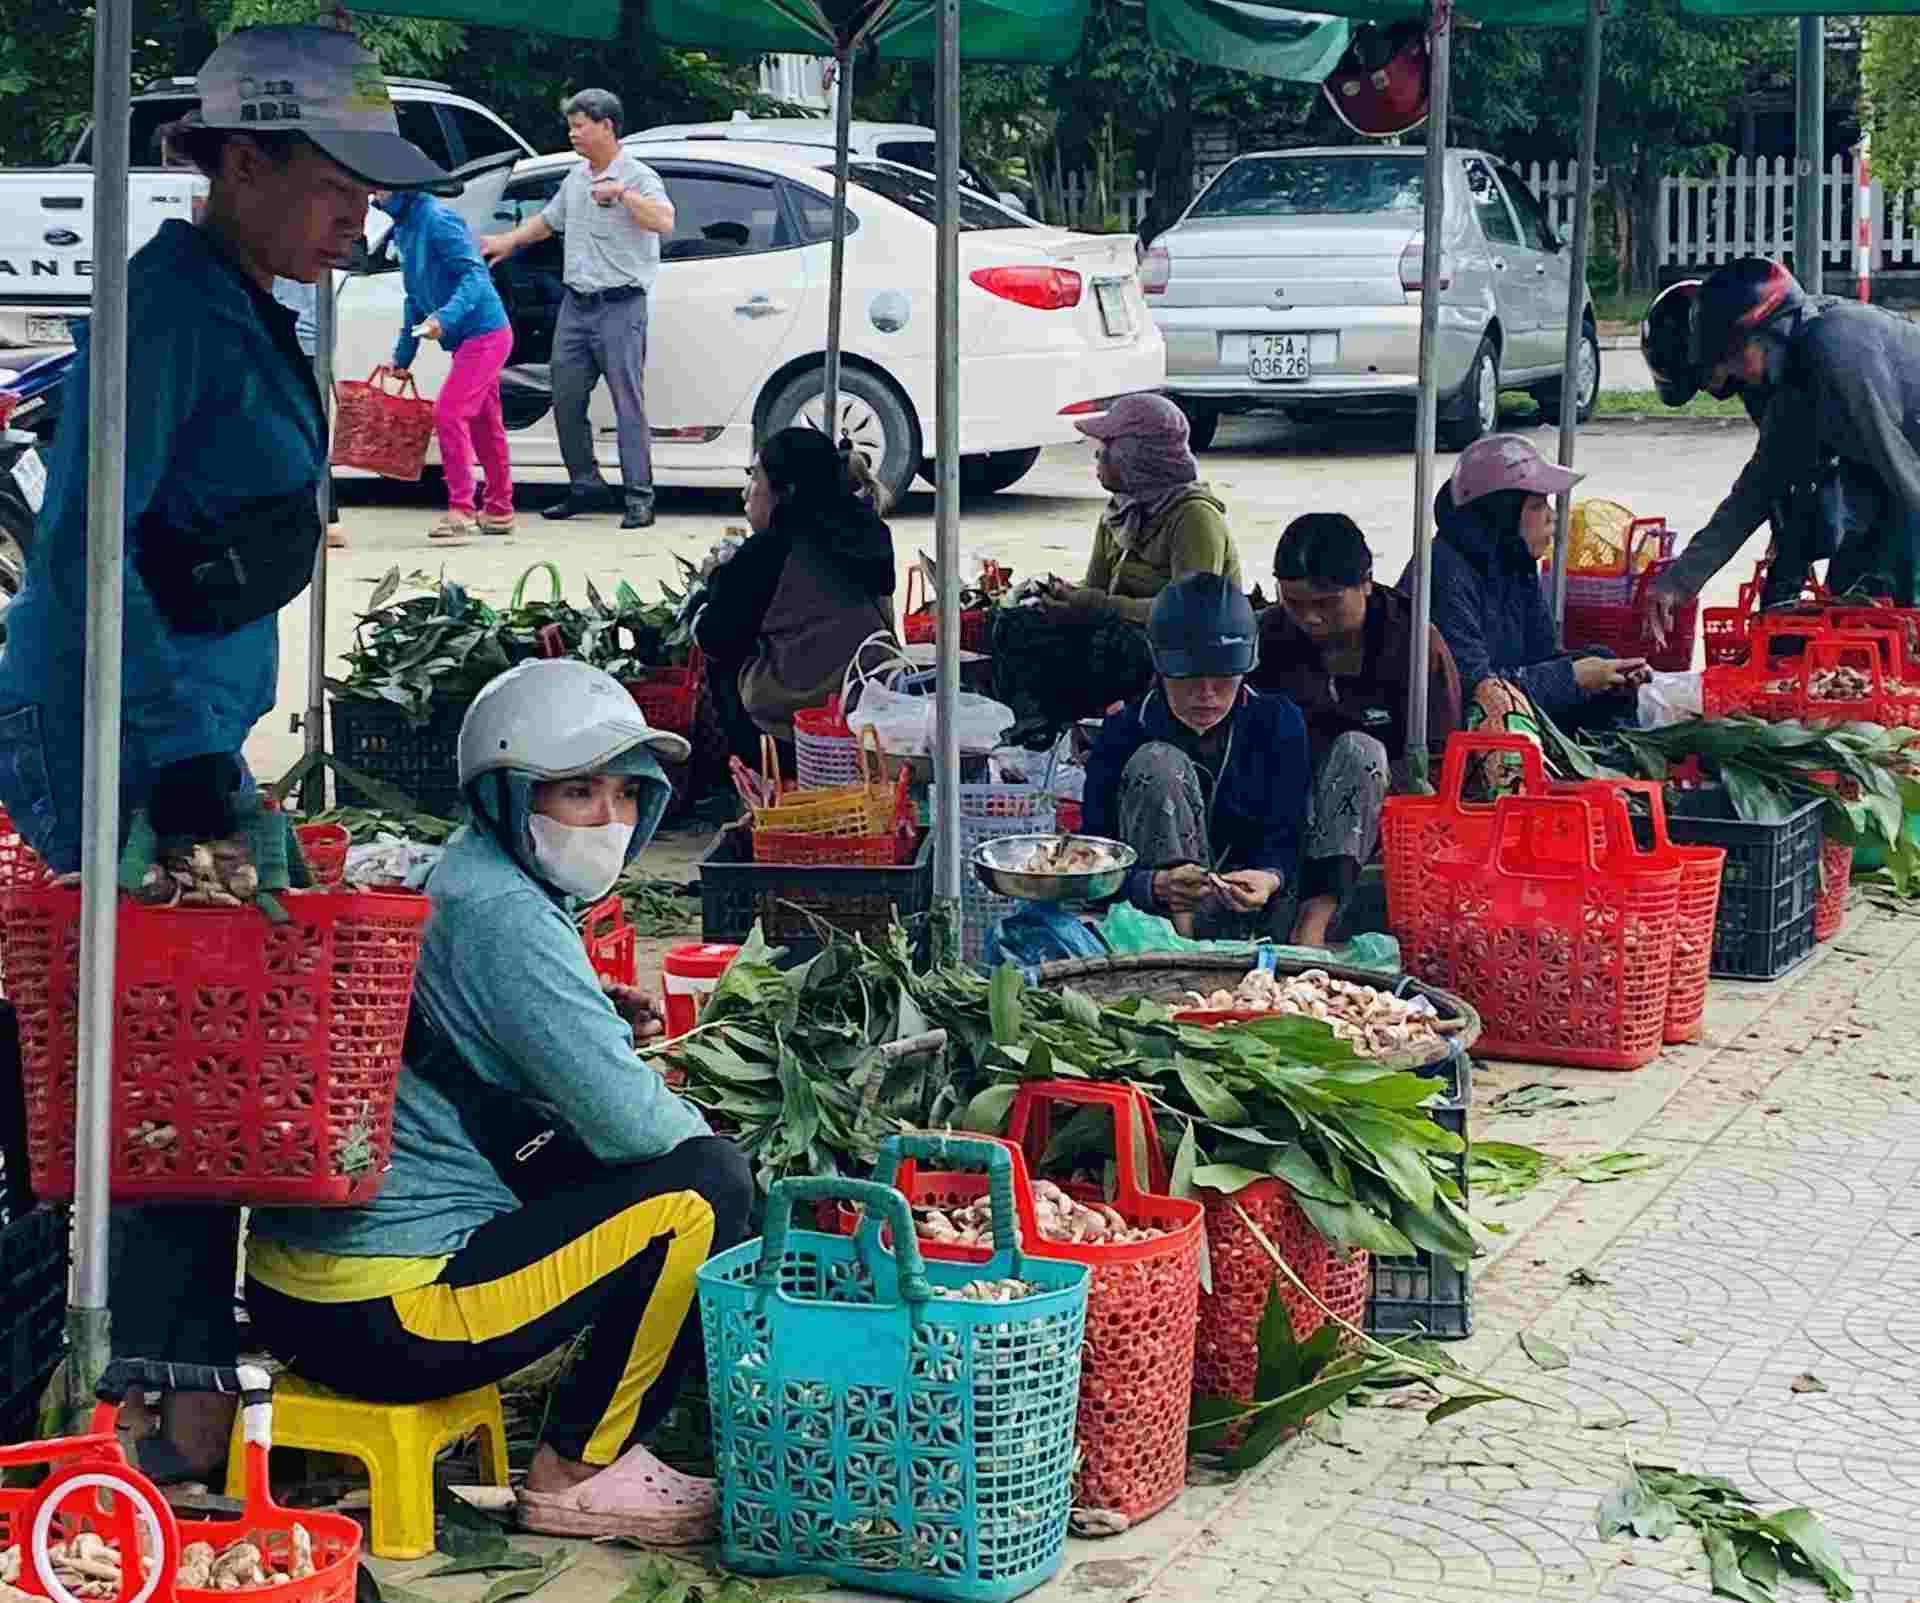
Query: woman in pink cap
{"type": "Point", "coordinates": [1495, 526]}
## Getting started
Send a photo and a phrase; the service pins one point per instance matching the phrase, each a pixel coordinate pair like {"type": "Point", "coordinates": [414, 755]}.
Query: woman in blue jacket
{"type": "Point", "coordinates": [451, 298]}
{"type": "Point", "coordinates": [1206, 779]}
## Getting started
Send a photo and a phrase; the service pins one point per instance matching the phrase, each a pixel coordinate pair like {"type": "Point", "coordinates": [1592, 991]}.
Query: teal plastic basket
{"type": "Point", "coordinates": [871, 1431]}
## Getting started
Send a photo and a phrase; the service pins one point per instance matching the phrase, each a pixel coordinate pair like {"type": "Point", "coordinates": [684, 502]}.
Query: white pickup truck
{"type": "Point", "coordinates": [46, 213]}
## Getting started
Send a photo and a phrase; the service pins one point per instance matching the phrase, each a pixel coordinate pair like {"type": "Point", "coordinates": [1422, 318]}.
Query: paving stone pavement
{"type": "Point", "coordinates": [1780, 1236]}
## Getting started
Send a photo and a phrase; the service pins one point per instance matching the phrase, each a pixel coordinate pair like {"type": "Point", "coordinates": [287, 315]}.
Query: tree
{"type": "Point", "coordinates": [1890, 77]}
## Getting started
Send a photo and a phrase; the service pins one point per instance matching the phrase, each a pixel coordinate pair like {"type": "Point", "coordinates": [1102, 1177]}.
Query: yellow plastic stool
{"type": "Point", "coordinates": [397, 1442]}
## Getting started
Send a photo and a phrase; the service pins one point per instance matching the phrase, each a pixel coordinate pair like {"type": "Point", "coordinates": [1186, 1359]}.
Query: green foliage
{"type": "Point", "coordinates": [1890, 74]}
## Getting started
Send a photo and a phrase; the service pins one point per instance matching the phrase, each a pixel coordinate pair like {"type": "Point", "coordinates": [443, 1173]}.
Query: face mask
{"type": "Point", "coordinates": [580, 860]}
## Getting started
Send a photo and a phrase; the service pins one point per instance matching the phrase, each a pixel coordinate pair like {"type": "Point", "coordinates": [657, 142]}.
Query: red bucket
{"type": "Point", "coordinates": [688, 974]}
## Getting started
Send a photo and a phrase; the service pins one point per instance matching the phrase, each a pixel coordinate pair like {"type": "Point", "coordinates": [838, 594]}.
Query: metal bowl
{"type": "Point", "coordinates": [992, 857]}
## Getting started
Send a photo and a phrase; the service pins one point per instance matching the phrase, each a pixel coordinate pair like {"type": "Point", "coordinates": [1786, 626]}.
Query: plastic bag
{"type": "Point", "coordinates": [904, 723]}
{"type": "Point", "coordinates": [1127, 928]}
{"type": "Point", "coordinates": [1041, 932]}
{"type": "Point", "coordinates": [1671, 698]}
{"type": "Point", "coordinates": [1062, 774]}
{"type": "Point", "coordinates": [389, 860]}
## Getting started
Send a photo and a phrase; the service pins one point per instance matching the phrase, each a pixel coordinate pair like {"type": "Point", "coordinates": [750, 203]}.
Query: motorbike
{"type": "Point", "coordinates": [30, 401]}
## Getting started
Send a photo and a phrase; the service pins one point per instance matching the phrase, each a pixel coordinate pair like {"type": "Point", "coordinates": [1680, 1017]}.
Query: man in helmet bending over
{"type": "Point", "coordinates": [1835, 389]}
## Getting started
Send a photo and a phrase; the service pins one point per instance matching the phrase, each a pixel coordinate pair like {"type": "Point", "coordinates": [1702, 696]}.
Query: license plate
{"type": "Point", "coordinates": [1279, 358]}
{"type": "Point", "coordinates": [31, 476]}
{"type": "Point", "coordinates": [48, 331]}
{"type": "Point", "coordinates": [1115, 317]}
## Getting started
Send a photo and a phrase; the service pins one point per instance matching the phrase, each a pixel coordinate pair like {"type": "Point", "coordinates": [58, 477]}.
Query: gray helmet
{"type": "Point", "coordinates": [554, 719]}
{"type": "Point", "coordinates": [1202, 627]}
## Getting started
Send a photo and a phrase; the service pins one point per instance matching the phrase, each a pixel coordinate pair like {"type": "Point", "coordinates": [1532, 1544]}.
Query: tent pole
{"type": "Point", "coordinates": [946, 457]}
{"type": "Point", "coordinates": [837, 272]}
{"type": "Point", "coordinates": [1810, 154]}
{"type": "Point", "coordinates": [1577, 298]}
{"type": "Point", "coordinates": [313, 790]}
{"type": "Point", "coordinates": [1440, 49]}
{"type": "Point", "coordinates": [88, 1322]}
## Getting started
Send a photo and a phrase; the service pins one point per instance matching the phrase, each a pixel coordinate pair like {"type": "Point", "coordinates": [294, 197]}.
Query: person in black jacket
{"type": "Point", "coordinates": [789, 611]}
{"type": "Point", "coordinates": [1495, 528]}
{"type": "Point", "coordinates": [1204, 778]}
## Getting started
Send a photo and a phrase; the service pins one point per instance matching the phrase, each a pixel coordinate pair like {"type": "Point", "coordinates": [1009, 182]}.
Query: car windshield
{"type": "Point", "coordinates": [149, 117]}
{"type": "Point", "coordinates": [919, 193]}
{"type": "Point", "coordinates": [1314, 186]}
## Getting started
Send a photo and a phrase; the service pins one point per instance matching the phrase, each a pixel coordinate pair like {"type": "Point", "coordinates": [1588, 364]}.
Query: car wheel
{"type": "Point", "coordinates": [872, 415]}
{"type": "Point", "coordinates": [1479, 400]}
{"type": "Point", "coordinates": [995, 471]}
{"type": "Point", "coordinates": [1203, 422]}
{"type": "Point", "coordinates": [1586, 390]}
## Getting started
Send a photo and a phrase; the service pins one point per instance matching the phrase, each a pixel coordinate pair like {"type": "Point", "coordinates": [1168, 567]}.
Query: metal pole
{"type": "Point", "coordinates": [1810, 154]}
{"type": "Point", "coordinates": [1440, 51]}
{"type": "Point", "coordinates": [946, 457]}
{"type": "Point", "coordinates": [1865, 235]}
{"type": "Point", "coordinates": [313, 790]}
{"type": "Point", "coordinates": [837, 272]}
{"type": "Point", "coordinates": [88, 1322]}
{"type": "Point", "coordinates": [1570, 375]}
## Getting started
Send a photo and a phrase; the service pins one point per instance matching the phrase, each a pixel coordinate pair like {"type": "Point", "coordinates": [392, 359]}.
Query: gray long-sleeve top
{"type": "Point", "coordinates": [1846, 383]}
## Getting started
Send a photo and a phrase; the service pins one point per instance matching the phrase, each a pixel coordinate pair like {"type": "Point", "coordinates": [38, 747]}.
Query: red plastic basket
{"type": "Point", "coordinates": [91, 1488]}
{"type": "Point", "coordinates": [1836, 867]}
{"type": "Point", "coordinates": [1136, 1372]}
{"type": "Point", "coordinates": [670, 697]}
{"type": "Point", "coordinates": [324, 846]}
{"type": "Point", "coordinates": [609, 940]}
{"type": "Point", "coordinates": [918, 624]}
{"type": "Point", "coordinates": [1701, 868]}
{"type": "Point", "coordinates": [380, 429]}
{"type": "Point", "coordinates": [1778, 690]}
{"type": "Point", "coordinates": [1624, 627]}
{"type": "Point", "coordinates": [1067, 817]}
{"type": "Point", "coordinates": [1566, 949]}
{"type": "Point", "coordinates": [269, 1051]}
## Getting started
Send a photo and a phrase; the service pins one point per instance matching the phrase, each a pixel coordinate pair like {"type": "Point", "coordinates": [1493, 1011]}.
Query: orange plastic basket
{"type": "Point", "coordinates": [1778, 690]}
{"type": "Point", "coordinates": [868, 807]}
{"type": "Point", "coordinates": [1566, 949]}
{"type": "Point", "coordinates": [254, 1063]}
{"type": "Point", "coordinates": [918, 624]}
{"type": "Point", "coordinates": [1136, 1374]}
{"type": "Point", "coordinates": [609, 940]}
{"type": "Point", "coordinates": [1836, 866]}
{"type": "Point", "coordinates": [91, 1488]}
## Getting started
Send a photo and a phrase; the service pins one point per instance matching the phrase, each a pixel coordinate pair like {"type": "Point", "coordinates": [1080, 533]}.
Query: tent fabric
{"type": "Point", "coordinates": [1249, 36]}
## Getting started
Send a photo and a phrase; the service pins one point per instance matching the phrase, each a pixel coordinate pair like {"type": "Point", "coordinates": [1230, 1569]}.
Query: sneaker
{"type": "Point", "coordinates": [453, 529]}
{"type": "Point", "coordinates": [496, 523]}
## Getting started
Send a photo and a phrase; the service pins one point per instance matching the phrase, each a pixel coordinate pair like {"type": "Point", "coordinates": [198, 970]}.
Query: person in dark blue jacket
{"type": "Point", "coordinates": [451, 298]}
{"type": "Point", "coordinates": [1495, 525]}
{"type": "Point", "coordinates": [1206, 779]}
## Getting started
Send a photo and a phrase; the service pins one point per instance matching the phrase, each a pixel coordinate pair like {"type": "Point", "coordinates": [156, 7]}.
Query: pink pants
{"type": "Point", "coordinates": [467, 418]}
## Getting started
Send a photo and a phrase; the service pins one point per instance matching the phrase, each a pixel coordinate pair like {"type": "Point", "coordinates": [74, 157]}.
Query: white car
{"type": "Point", "coordinates": [1052, 324]}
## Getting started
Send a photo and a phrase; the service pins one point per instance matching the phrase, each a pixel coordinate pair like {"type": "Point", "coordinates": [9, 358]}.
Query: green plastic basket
{"type": "Point", "coordinates": [869, 1430]}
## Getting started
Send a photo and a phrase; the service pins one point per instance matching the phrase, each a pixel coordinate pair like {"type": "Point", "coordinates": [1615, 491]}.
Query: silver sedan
{"type": "Point", "coordinates": [1292, 284]}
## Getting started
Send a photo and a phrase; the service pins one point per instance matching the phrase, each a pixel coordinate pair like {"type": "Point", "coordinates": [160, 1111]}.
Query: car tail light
{"type": "Point", "coordinates": [1156, 271]}
{"type": "Point", "coordinates": [1411, 263]}
{"type": "Point", "coordinates": [1045, 289]}
{"type": "Point", "coordinates": [9, 399]}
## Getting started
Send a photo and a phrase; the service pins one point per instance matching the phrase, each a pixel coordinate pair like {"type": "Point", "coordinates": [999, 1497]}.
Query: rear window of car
{"type": "Point", "coordinates": [149, 117]}
{"type": "Point", "coordinates": [1315, 186]}
{"type": "Point", "coordinates": [919, 193]}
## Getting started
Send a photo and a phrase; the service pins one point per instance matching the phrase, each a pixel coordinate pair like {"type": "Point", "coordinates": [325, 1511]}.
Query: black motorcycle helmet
{"type": "Point", "coordinates": [1737, 300]}
{"type": "Point", "coordinates": [1202, 627]}
{"type": "Point", "coordinates": [1666, 342]}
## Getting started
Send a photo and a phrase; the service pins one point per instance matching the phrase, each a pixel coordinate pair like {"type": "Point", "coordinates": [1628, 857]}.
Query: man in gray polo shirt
{"type": "Point", "coordinates": [611, 213]}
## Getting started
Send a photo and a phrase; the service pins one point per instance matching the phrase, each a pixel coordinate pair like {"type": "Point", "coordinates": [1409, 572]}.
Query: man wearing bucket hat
{"type": "Point", "coordinates": [225, 448]}
{"type": "Point", "coordinates": [1835, 389]}
{"type": "Point", "coordinates": [1495, 528]}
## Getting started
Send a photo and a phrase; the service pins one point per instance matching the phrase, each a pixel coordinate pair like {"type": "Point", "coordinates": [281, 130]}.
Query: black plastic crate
{"type": "Point", "coordinates": [735, 891]}
{"type": "Point", "coordinates": [33, 1308]}
{"type": "Point", "coordinates": [421, 761]}
{"type": "Point", "coordinates": [1769, 888]}
{"type": "Point", "coordinates": [1424, 1293]}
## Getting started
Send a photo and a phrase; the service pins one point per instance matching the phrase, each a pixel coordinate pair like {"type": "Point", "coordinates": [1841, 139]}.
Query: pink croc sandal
{"type": "Point", "coordinates": [636, 1496]}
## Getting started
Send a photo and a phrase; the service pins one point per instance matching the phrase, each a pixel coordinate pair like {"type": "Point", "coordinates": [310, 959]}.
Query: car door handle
{"type": "Point", "coordinates": [760, 306]}
{"type": "Point", "coordinates": [1540, 269]}
{"type": "Point", "coordinates": [1499, 264]}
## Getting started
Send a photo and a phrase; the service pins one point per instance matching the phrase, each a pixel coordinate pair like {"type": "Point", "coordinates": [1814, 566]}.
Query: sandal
{"type": "Point", "coordinates": [453, 530]}
{"type": "Point", "coordinates": [636, 1496]}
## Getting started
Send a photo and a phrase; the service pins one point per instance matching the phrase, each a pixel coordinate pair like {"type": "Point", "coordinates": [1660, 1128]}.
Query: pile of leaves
{"type": "Point", "coordinates": [434, 649]}
{"type": "Point", "coordinates": [786, 1062]}
{"type": "Point", "coordinates": [1767, 770]}
{"type": "Point", "coordinates": [1277, 1097]}
{"type": "Point", "coordinates": [656, 907]}
{"type": "Point", "coordinates": [1747, 1552]}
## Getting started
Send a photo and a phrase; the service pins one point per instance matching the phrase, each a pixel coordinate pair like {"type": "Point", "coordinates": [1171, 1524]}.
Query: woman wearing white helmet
{"type": "Point", "coordinates": [544, 1180]}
